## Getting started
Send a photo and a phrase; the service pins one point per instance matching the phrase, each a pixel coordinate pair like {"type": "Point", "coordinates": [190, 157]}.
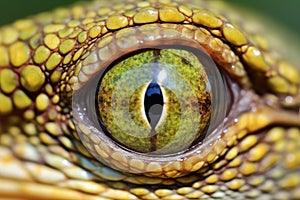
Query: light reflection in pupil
{"type": "Point", "coordinates": [153, 104]}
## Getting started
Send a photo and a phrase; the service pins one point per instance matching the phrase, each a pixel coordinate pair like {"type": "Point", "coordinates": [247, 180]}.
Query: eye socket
{"type": "Point", "coordinates": [112, 104]}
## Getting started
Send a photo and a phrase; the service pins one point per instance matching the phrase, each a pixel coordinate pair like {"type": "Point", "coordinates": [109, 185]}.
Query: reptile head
{"type": "Point", "coordinates": [79, 90]}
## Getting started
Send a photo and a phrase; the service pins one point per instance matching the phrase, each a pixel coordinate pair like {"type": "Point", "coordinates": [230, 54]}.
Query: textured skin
{"type": "Point", "coordinates": [254, 154]}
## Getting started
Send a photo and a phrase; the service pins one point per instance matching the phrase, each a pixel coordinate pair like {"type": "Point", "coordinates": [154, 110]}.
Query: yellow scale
{"type": "Point", "coordinates": [51, 148]}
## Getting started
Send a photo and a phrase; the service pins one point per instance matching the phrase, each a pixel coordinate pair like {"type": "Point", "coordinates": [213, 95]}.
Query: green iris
{"type": "Point", "coordinates": [156, 101]}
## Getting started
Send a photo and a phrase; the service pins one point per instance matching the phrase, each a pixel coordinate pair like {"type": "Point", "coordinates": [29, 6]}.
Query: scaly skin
{"type": "Point", "coordinates": [255, 153]}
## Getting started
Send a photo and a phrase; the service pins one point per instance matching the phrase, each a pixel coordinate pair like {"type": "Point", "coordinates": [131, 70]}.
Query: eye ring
{"type": "Point", "coordinates": [110, 153]}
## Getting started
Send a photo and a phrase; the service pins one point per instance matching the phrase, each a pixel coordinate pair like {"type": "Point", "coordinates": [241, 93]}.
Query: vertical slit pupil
{"type": "Point", "coordinates": [153, 103]}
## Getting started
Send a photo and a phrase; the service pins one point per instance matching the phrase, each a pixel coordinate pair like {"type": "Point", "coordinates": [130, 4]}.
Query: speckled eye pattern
{"type": "Point", "coordinates": [175, 88]}
{"type": "Point", "coordinates": [146, 100]}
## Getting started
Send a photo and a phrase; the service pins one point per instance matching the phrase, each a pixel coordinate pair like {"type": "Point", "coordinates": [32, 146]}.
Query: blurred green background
{"type": "Point", "coordinates": [284, 12]}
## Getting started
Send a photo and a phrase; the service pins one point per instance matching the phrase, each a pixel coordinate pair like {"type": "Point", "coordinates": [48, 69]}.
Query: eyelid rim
{"type": "Point", "coordinates": [130, 161]}
{"type": "Point", "coordinates": [139, 163]}
{"type": "Point", "coordinates": [189, 35]}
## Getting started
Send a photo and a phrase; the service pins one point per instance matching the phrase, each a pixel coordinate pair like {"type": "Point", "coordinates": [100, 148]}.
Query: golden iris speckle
{"type": "Point", "coordinates": [172, 83]}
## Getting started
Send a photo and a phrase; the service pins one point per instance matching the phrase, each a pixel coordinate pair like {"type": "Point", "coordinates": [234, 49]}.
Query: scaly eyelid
{"type": "Point", "coordinates": [113, 46]}
{"type": "Point", "coordinates": [101, 146]}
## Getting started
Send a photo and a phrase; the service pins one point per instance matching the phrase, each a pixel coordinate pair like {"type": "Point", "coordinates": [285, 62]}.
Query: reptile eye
{"type": "Point", "coordinates": [155, 100]}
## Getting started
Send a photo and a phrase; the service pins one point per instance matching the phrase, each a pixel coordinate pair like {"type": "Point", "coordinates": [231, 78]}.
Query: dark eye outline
{"type": "Point", "coordinates": [221, 99]}
{"type": "Point", "coordinates": [217, 85]}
